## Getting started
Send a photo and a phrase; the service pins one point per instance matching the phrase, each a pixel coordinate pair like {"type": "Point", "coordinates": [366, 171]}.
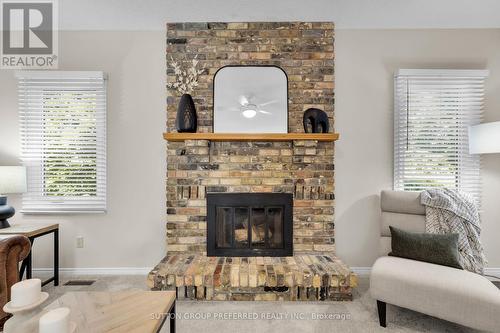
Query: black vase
{"type": "Point", "coordinates": [186, 115]}
{"type": "Point", "coordinates": [6, 211]}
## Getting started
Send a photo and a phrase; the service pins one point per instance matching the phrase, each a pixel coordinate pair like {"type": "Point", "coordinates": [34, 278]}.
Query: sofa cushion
{"type": "Point", "coordinates": [441, 249]}
{"type": "Point", "coordinates": [451, 294]}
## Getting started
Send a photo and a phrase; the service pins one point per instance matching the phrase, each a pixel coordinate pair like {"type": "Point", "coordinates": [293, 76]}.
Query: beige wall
{"type": "Point", "coordinates": [131, 234]}
{"type": "Point", "coordinates": [365, 63]}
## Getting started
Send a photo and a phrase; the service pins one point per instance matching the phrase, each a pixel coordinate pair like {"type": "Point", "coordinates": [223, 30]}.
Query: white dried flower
{"type": "Point", "coordinates": [186, 79]}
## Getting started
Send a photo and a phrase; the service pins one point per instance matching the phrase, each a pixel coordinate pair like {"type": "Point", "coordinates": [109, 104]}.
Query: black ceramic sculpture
{"type": "Point", "coordinates": [186, 121]}
{"type": "Point", "coordinates": [6, 212]}
{"type": "Point", "coordinates": [316, 121]}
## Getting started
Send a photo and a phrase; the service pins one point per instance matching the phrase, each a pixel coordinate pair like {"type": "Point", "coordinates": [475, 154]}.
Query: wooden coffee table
{"type": "Point", "coordinates": [117, 312]}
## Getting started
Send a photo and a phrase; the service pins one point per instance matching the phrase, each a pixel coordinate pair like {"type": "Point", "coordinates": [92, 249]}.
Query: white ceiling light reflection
{"type": "Point", "coordinates": [249, 110]}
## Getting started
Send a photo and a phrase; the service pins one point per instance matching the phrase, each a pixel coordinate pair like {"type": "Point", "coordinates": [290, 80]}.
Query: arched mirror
{"type": "Point", "coordinates": [250, 99]}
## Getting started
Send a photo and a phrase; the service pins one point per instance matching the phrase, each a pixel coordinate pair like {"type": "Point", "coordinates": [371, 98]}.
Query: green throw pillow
{"type": "Point", "coordinates": [440, 249]}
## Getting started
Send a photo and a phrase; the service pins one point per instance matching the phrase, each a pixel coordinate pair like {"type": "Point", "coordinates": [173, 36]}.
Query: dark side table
{"type": "Point", "coordinates": [33, 231]}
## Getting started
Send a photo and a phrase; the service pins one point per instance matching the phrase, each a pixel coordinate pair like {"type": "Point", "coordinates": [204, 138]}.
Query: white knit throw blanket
{"type": "Point", "coordinates": [449, 211]}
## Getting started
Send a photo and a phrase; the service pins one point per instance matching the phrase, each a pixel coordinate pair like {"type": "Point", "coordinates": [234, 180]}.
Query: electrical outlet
{"type": "Point", "coordinates": [79, 242]}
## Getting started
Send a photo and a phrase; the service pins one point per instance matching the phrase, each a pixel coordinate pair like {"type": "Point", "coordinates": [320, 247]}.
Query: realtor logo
{"type": "Point", "coordinates": [29, 34]}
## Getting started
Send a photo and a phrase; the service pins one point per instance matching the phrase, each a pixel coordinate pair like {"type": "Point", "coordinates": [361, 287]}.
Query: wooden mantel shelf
{"type": "Point", "coordinates": [251, 137]}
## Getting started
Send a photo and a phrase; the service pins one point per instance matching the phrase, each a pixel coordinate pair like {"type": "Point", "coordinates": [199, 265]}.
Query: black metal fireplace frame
{"type": "Point", "coordinates": [255, 200]}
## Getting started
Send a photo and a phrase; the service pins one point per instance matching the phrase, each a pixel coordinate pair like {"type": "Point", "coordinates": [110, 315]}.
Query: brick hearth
{"type": "Point", "coordinates": [301, 277]}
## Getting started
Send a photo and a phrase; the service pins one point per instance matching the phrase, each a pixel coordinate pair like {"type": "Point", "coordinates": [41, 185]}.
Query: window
{"type": "Point", "coordinates": [63, 140]}
{"type": "Point", "coordinates": [432, 112]}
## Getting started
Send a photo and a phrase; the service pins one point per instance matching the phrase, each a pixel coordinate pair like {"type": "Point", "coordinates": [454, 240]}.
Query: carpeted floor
{"type": "Point", "coordinates": [289, 317]}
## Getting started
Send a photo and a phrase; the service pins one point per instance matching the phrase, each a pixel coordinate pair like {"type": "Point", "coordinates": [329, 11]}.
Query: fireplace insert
{"type": "Point", "coordinates": [249, 224]}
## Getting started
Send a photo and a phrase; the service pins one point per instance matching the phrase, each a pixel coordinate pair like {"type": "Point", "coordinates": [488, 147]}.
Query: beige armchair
{"type": "Point", "coordinates": [448, 293]}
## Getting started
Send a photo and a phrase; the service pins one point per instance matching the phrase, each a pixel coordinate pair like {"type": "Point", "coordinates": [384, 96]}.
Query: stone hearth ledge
{"type": "Point", "coordinates": [303, 277]}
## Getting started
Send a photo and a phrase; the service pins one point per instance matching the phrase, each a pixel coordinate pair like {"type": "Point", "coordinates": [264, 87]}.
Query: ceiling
{"type": "Point", "coordinates": [137, 15]}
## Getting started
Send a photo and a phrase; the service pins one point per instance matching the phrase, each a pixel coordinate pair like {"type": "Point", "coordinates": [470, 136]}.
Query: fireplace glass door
{"type": "Point", "coordinates": [249, 224]}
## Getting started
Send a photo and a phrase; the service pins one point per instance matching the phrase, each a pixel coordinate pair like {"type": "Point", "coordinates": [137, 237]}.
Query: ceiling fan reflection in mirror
{"type": "Point", "coordinates": [250, 99]}
{"type": "Point", "coordinates": [250, 110]}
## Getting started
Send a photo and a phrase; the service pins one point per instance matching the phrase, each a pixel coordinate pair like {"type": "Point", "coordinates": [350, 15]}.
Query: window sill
{"type": "Point", "coordinates": [62, 212]}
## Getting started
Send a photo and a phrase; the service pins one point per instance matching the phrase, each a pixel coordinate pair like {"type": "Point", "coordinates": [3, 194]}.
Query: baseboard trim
{"type": "Point", "coordinates": [361, 271]}
{"type": "Point", "coordinates": [99, 270]}
{"type": "Point", "coordinates": [492, 271]}
{"type": "Point", "coordinates": [365, 271]}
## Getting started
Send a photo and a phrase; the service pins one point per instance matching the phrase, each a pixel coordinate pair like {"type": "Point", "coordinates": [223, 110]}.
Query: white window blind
{"type": "Point", "coordinates": [63, 140]}
{"type": "Point", "coordinates": [432, 112]}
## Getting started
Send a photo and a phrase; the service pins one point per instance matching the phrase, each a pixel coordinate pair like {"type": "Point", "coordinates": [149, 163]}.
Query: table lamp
{"type": "Point", "coordinates": [484, 138]}
{"type": "Point", "coordinates": [12, 180]}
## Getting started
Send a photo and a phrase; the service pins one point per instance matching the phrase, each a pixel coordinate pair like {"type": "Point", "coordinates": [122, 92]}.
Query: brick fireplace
{"type": "Point", "coordinates": [300, 169]}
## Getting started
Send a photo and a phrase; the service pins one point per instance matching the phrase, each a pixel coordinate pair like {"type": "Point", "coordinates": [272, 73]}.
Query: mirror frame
{"type": "Point", "coordinates": [287, 93]}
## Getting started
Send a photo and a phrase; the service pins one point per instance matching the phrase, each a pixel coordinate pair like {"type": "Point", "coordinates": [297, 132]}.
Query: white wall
{"type": "Point", "coordinates": [133, 15]}
{"type": "Point", "coordinates": [365, 63]}
{"type": "Point", "coordinates": [132, 233]}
